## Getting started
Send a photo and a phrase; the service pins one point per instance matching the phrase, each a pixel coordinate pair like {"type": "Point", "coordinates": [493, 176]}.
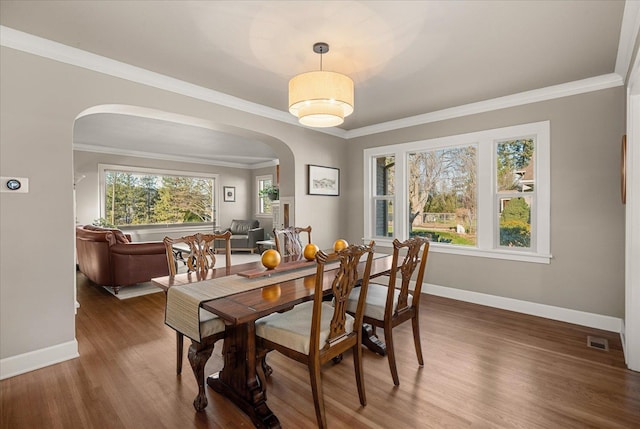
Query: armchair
{"type": "Point", "coordinates": [244, 235]}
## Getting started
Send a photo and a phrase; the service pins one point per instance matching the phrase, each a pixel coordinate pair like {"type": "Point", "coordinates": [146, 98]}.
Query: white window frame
{"type": "Point", "coordinates": [387, 197]}
{"type": "Point", "coordinates": [259, 212]}
{"type": "Point", "coordinates": [488, 211]}
{"type": "Point", "coordinates": [217, 191]}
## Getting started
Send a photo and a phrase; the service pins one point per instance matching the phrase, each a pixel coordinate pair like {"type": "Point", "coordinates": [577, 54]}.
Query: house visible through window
{"type": "Point", "coordinates": [138, 196]}
{"type": "Point", "coordinates": [482, 194]}
{"type": "Point", "coordinates": [516, 192]}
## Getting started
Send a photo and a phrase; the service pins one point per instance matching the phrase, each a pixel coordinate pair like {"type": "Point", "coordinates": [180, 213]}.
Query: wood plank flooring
{"type": "Point", "coordinates": [484, 368]}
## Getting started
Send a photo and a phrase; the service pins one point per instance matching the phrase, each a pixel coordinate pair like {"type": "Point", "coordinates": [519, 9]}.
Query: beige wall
{"type": "Point", "coordinates": [40, 100]}
{"type": "Point", "coordinates": [587, 217]}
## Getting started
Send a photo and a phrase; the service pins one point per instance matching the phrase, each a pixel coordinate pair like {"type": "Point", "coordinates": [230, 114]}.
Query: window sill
{"type": "Point", "coordinates": [519, 256]}
{"type": "Point", "coordinates": [176, 227]}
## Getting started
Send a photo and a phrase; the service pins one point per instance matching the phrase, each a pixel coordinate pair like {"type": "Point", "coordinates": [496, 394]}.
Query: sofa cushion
{"type": "Point", "coordinates": [238, 237]}
{"type": "Point", "coordinates": [119, 235]}
{"type": "Point", "coordinates": [243, 226]}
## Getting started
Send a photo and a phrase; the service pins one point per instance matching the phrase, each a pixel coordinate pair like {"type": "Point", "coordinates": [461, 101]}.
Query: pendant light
{"type": "Point", "coordinates": [321, 98]}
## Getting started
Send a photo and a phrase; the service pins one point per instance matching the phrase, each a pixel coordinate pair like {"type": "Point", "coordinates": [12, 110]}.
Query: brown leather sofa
{"type": "Point", "coordinates": [108, 257]}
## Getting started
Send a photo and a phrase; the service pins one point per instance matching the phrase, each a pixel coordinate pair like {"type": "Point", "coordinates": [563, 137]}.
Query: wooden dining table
{"type": "Point", "coordinates": [238, 380]}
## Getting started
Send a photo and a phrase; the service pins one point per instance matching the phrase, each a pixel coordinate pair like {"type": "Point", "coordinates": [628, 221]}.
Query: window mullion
{"type": "Point", "coordinates": [401, 216]}
{"type": "Point", "coordinates": [486, 190]}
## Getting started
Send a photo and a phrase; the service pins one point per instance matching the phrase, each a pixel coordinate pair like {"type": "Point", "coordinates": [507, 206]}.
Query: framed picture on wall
{"type": "Point", "coordinates": [229, 194]}
{"type": "Point", "coordinates": [324, 180]}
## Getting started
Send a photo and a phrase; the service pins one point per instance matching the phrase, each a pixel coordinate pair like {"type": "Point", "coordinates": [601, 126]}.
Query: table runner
{"type": "Point", "coordinates": [182, 311]}
{"type": "Point", "coordinates": [183, 302]}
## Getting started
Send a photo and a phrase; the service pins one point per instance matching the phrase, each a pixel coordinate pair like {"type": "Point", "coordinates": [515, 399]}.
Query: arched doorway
{"type": "Point", "coordinates": [152, 138]}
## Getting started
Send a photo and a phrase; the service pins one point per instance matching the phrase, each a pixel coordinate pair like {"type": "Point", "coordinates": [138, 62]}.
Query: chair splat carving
{"type": "Point", "coordinates": [315, 332]}
{"type": "Point", "coordinates": [387, 305]}
{"type": "Point", "coordinates": [288, 240]}
{"type": "Point", "coordinates": [201, 257]}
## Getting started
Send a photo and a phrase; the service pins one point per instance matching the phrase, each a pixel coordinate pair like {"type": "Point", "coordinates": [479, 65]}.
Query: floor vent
{"type": "Point", "coordinates": [598, 343]}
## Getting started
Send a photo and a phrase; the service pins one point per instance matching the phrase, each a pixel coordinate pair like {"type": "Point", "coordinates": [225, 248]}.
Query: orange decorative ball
{"type": "Point", "coordinates": [310, 282]}
{"type": "Point", "coordinates": [340, 244]}
{"type": "Point", "coordinates": [271, 293]}
{"type": "Point", "coordinates": [310, 251]}
{"type": "Point", "coordinates": [270, 259]}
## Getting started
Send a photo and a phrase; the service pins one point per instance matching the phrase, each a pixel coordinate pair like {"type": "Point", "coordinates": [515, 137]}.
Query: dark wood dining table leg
{"type": "Point", "coordinates": [238, 379]}
{"type": "Point", "coordinates": [371, 340]}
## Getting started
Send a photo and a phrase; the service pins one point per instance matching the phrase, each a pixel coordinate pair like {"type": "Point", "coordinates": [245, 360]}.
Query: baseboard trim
{"type": "Point", "coordinates": [592, 320]}
{"type": "Point", "coordinates": [20, 364]}
{"type": "Point", "coordinates": [16, 365]}
{"type": "Point", "coordinates": [623, 339]}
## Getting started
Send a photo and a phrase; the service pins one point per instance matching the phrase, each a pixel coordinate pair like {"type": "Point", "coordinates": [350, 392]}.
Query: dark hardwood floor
{"type": "Point", "coordinates": [484, 368]}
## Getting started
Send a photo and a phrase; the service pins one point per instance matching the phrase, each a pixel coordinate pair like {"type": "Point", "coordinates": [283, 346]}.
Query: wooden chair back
{"type": "Point", "coordinates": [412, 259]}
{"type": "Point", "coordinates": [201, 251]}
{"type": "Point", "coordinates": [201, 257]}
{"type": "Point", "coordinates": [345, 279]}
{"type": "Point", "coordinates": [288, 240]}
{"type": "Point", "coordinates": [338, 340]}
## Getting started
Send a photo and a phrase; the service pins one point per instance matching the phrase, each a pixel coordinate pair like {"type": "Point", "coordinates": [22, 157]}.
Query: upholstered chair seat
{"type": "Point", "coordinates": [376, 300]}
{"type": "Point", "coordinates": [291, 329]}
{"type": "Point", "coordinates": [210, 323]}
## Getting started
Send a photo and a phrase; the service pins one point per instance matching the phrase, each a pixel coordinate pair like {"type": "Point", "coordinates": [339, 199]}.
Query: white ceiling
{"type": "Point", "coordinates": [406, 58]}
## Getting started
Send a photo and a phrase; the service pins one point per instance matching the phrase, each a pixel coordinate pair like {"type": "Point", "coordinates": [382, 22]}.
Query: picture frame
{"type": "Point", "coordinates": [229, 194]}
{"type": "Point", "coordinates": [323, 180]}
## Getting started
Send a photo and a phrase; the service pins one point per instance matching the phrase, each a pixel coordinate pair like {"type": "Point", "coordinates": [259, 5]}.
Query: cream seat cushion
{"type": "Point", "coordinates": [293, 328]}
{"type": "Point", "coordinates": [376, 300]}
{"type": "Point", "coordinates": [209, 323]}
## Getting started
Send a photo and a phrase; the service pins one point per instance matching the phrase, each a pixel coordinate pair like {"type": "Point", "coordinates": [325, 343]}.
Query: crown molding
{"type": "Point", "coordinates": [543, 94]}
{"type": "Point", "coordinates": [176, 158]}
{"type": "Point", "coordinates": [58, 52]}
{"type": "Point", "coordinates": [628, 36]}
{"type": "Point", "coordinates": [46, 48]}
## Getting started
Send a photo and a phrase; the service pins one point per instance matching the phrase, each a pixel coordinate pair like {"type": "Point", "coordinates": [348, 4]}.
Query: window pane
{"type": "Point", "coordinates": [384, 218]}
{"type": "Point", "coordinates": [385, 174]}
{"type": "Point", "coordinates": [443, 194]}
{"type": "Point", "coordinates": [138, 199]}
{"type": "Point", "coordinates": [264, 201]}
{"type": "Point", "coordinates": [515, 222]}
{"type": "Point", "coordinates": [515, 166]}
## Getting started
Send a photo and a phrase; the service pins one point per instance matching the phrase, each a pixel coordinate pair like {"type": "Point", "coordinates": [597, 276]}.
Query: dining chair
{"type": "Point", "coordinates": [387, 306]}
{"type": "Point", "coordinates": [315, 332]}
{"type": "Point", "coordinates": [288, 240]}
{"type": "Point", "coordinates": [200, 257]}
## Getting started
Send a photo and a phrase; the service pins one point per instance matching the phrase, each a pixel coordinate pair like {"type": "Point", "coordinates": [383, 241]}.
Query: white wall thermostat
{"type": "Point", "coordinates": [14, 184]}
